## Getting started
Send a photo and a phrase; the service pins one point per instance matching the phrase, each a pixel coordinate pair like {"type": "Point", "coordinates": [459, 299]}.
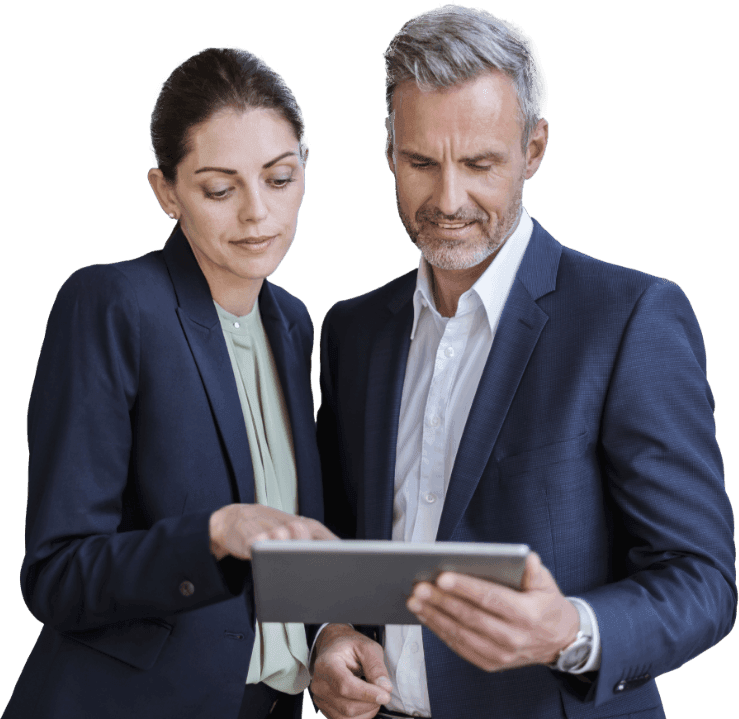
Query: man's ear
{"type": "Point", "coordinates": [389, 148]}
{"type": "Point", "coordinates": [536, 147]}
{"type": "Point", "coordinates": [164, 192]}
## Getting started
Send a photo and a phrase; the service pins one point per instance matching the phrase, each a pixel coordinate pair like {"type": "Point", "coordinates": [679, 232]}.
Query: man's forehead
{"type": "Point", "coordinates": [478, 110]}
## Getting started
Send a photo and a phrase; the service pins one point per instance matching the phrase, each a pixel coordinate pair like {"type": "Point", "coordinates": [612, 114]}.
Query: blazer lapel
{"type": "Point", "coordinates": [199, 320]}
{"type": "Point", "coordinates": [384, 393]}
{"type": "Point", "coordinates": [293, 369]}
{"type": "Point", "coordinates": [520, 326]}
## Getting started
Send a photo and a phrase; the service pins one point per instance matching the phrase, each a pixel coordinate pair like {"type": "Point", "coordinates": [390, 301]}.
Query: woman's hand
{"type": "Point", "coordinates": [235, 527]}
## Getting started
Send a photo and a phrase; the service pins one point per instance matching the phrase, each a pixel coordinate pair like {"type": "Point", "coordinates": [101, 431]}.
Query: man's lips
{"type": "Point", "coordinates": [453, 230]}
{"type": "Point", "coordinates": [452, 225]}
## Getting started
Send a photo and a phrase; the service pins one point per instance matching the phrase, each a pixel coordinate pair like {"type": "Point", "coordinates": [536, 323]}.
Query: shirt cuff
{"type": "Point", "coordinates": [315, 639]}
{"type": "Point", "coordinates": [593, 663]}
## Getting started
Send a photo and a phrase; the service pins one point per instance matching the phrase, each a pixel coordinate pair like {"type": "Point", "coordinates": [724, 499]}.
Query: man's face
{"type": "Point", "coordinates": [459, 167]}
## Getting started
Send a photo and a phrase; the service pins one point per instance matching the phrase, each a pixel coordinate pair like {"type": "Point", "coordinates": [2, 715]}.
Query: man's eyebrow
{"type": "Point", "coordinates": [415, 156]}
{"type": "Point", "coordinates": [480, 157]}
{"type": "Point", "coordinates": [489, 155]}
{"type": "Point", "coordinates": [227, 171]}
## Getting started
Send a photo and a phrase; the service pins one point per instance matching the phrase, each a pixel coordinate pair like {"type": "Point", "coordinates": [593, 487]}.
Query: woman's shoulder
{"type": "Point", "coordinates": [293, 309]}
{"type": "Point", "coordinates": [138, 280]}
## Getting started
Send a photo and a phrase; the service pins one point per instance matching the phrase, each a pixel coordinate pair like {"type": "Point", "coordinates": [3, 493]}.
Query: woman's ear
{"type": "Point", "coordinates": [164, 191]}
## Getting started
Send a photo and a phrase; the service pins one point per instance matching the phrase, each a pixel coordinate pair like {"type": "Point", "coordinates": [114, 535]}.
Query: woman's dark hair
{"type": "Point", "coordinates": [213, 80]}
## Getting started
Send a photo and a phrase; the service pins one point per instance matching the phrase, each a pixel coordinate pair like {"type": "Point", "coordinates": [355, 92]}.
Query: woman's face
{"type": "Point", "coordinates": [238, 192]}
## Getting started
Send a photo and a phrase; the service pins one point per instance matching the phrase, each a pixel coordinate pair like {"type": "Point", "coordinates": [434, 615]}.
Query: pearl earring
{"type": "Point", "coordinates": [171, 215]}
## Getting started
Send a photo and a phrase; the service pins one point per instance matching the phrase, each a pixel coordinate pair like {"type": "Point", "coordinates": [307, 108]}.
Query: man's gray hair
{"type": "Point", "coordinates": [453, 44]}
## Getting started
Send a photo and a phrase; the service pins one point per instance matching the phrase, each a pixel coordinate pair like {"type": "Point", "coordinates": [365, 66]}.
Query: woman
{"type": "Point", "coordinates": [171, 404]}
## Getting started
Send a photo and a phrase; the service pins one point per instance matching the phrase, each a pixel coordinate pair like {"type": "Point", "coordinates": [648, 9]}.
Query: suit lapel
{"type": "Point", "coordinates": [293, 369]}
{"type": "Point", "coordinates": [199, 321]}
{"type": "Point", "coordinates": [384, 393]}
{"type": "Point", "coordinates": [520, 326]}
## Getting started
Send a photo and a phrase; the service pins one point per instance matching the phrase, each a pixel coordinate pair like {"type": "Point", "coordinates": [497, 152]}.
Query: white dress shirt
{"type": "Point", "coordinates": [437, 396]}
{"type": "Point", "coordinates": [436, 401]}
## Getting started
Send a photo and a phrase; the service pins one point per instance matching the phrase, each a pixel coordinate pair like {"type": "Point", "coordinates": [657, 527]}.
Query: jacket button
{"type": "Point", "coordinates": [619, 687]}
{"type": "Point", "coordinates": [186, 588]}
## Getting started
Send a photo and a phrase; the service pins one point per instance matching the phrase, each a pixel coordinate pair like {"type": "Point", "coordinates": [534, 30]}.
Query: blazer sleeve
{"type": "Point", "coordinates": [338, 496]}
{"type": "Point", "coordinates": [664, 489]}
{"type": "Point", "coordinates": [81, 570]}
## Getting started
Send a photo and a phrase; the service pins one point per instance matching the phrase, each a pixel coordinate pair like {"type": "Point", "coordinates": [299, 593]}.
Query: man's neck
{"type": "Point", "coordinates": [448, 286]}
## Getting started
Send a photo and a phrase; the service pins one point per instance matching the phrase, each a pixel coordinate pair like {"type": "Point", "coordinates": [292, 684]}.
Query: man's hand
{"type": "Point", "coordinates": [495, 627]}
{"type": "Point", "coordinates": [349, 675]}
{"type": "Point", "coordinates": [235, 527]}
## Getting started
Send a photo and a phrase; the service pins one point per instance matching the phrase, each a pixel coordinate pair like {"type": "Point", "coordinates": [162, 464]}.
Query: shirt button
{"type": "Point", "coordinates": [237, 325]}
{"type": "Point", "coordinates": [430, 497]}
{"type": "Point", "coordinates": [449, 351]}
{"type": "Point", "coordinates": [187, 588]}
{"type": "Point", "coordinates": [433, 421]}
{"type": "Point", "coordinates": [414, 647]}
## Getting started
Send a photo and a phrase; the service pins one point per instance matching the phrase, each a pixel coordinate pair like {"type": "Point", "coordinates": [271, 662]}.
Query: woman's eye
{"type": "Point", "coordinates": [281, 181]}
{"type": "Point", "coordinates": [217, 194]}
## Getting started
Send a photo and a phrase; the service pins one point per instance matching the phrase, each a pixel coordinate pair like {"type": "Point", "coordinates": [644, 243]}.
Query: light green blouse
{"type": "Point", "coordinates": [280, 656]}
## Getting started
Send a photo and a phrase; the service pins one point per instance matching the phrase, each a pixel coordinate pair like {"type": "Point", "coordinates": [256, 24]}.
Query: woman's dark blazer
{"type": "Point", "coordinates": [136, 436]}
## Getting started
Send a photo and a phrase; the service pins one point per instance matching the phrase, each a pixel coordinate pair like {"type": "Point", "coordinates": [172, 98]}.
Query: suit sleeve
{"type": "Point", "coordinates": [672, 521]}
{"type": "Point", "coordinates": [338, 496]}
{"type": "Point", "coordinates": [81, 569]}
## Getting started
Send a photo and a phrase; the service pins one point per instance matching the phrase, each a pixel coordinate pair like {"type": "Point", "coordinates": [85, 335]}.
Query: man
{"type": "Point", "coordinates": [513, 390]}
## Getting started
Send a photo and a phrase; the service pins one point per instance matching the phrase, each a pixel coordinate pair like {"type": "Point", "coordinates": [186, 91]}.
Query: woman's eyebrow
{"type": "Point", "coordinates": [224, 170]}
{"type": "Point", "coordinates": [227, 171]}
{"type": "Point", "coordinates": [277, 159]}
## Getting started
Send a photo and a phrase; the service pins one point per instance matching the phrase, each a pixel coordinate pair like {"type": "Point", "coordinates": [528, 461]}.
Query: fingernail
{"type": "Point", "coordinates": [422, 591]}
{"type": "Point", "coordinates": [445, 581]}
{"type": "Point", "coordinates": [385, 683]}
{"type": "Point", "coordinates": [414, 605]}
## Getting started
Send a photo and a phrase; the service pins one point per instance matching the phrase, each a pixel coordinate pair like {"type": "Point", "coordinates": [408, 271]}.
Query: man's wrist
{"type": "Point", "coordinates": [322, 637]}
{"type": "Point", "coordinates": [583, 653]}
{"type": "Point", "coordinates": [215, 527]}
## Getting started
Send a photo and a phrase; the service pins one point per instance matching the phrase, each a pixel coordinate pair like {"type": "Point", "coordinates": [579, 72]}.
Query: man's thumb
{"type": "Point", "coordinates": [375, 671]}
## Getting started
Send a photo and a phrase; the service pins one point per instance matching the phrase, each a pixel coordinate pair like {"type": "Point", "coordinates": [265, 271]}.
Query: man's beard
{"type": "Point", "coordinates": [461, 254]}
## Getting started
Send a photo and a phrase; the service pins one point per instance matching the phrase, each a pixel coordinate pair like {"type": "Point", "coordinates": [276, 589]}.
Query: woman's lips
{"type": "Point", "coordinates": [254, 243]}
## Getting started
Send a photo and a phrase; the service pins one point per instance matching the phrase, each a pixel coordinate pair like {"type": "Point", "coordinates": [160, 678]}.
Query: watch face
{"type": "Point", "coordinates": [576, 654]}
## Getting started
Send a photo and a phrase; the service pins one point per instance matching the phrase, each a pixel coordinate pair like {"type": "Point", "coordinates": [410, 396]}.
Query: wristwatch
{"type": "Point", "coordinates": [575, 656]}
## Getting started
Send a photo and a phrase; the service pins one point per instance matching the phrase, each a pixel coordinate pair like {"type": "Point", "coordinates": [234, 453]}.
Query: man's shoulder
{"type": "Point", "coordinates": [581, 276]}
{"type": "Point", "coordinates": [586, 271]}
{"type": "Point", "coordinates": [390, 297]}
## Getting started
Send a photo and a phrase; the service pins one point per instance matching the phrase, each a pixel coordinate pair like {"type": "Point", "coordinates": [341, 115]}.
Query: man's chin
{"type": "Point", "coordinates": [447, 258]}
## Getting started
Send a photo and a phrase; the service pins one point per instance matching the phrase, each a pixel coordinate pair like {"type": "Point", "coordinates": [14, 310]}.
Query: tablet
{"type": "Point", "coordinates": [366, 581]}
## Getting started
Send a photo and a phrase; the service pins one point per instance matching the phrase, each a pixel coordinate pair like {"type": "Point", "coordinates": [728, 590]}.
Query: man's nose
{"type": "Point", "coordinates": [450, 194]}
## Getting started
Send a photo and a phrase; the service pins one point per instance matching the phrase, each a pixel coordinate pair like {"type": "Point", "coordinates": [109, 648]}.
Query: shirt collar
{"type": "Point", "coordinates": [500, 273]}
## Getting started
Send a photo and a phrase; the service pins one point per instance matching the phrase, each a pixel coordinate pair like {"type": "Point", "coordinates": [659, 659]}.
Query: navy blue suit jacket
{"type": "Point", "coordinates": [590, 438]}
{"type": "Point", "coordinates": [136, 436]}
